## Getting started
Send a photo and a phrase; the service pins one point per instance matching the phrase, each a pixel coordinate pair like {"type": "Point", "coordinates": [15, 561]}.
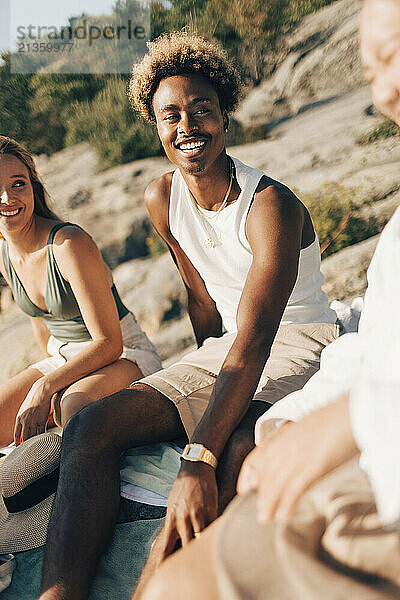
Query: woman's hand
{"type": "Point", "coordinates": [292, 458]}
{"type": "Point", "coordinates": [34, 412]}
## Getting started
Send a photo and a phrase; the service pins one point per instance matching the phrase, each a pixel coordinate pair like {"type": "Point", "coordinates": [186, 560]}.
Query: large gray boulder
{"type": "Point", "coordinates": [315, 62]}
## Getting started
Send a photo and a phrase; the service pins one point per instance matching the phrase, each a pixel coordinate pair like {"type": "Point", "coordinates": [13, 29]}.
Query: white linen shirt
{"type": "Point", "coordinates": [367, 365]}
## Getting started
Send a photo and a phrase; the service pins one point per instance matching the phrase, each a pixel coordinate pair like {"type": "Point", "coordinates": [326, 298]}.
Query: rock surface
{"type": "Point", "coordinates": [108, 204]}
{"type": "Point", "coordinates": [319, 71]}
{"type": "Point", "coordinates": [346, 271]}
{"type": "Point", "coordinates": [317, 61]}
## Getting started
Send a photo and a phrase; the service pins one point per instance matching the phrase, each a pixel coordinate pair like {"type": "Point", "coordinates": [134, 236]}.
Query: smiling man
{"type": "Point", "coordinates": [249, 257]}
{"type": "Point", "coordinates": [312, 522]}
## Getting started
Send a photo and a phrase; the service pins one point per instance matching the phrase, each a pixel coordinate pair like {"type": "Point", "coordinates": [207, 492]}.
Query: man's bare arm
{"type": "Point", "coordinates": [274, 231]}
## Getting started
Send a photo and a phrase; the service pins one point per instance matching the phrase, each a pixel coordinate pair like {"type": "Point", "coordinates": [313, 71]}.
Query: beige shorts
{"type": "Point", "coordinates": [137, 348]}
{"type": "Point", "coordinates": [294, 358]}
{"type": "Point", "coordinates": [334, 548]}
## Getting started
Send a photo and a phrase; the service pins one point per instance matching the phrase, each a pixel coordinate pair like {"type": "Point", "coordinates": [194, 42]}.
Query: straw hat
{"type": "Point", "coordinates": [28, 481]}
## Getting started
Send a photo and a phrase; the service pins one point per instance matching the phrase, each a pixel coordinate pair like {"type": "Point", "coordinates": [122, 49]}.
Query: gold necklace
{"type": "Point", "coordinates": [209, 242]}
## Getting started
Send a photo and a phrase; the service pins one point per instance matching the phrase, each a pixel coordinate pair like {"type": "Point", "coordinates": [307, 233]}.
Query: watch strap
{"type": "Point", "coordinates": [203, 455]}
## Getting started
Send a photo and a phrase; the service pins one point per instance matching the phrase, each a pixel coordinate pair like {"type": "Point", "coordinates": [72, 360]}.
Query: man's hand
{"type": "Point", "coordinates": [34, 412]}
{"type": "Point", "coordinates": [192, 505]}
{"type": "Point", "coordinates": [290, 459]}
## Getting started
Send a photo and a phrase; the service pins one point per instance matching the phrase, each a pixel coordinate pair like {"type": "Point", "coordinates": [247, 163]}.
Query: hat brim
{"type": "Point", "coordinates": [28, 481]}
{"type": "Point", "coordinates": [25, 529]}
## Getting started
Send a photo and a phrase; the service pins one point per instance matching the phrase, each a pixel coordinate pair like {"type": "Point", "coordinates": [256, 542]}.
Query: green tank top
{"type": "Point", "coordinates": [63, 319]}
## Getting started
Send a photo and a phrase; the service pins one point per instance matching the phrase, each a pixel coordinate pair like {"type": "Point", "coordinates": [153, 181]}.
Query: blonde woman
{"type": "Point", "coordinates": [92, 342]}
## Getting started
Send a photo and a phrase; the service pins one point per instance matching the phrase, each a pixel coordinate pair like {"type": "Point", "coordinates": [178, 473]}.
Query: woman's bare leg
{"type": "Point", "coordinates": [12, 395]}
{"type": "Point", "coordinates": [188, 573]}
{"type": "Point", "coordinates": [104, 382]}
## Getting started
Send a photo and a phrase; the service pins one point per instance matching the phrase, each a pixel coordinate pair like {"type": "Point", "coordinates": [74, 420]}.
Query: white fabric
{"type": "Point", "coordinates": [367, 365]}
{"type": "Point", "coordinates": [136, 347]}
{"type": "Point", "coordinates": [7, 566]}
{"type": "Point", "coordinates": [224, 267]}
{"type": "Point", "coordinates": [130, 491]}
{"type": "Point", "coordinates": [7, 449]}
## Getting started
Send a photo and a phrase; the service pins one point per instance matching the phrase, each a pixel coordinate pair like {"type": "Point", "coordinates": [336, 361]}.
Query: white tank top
{"type": "Point", "coordinates": [224, 266]}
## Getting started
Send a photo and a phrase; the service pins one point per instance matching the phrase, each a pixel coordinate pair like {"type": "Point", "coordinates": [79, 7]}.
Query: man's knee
{"type": "Point", "coordinates": [87, 426]}
{"type": "Point", "coordinates": [79, 429]}
{"type": "Point", "coordinates": [97, 425]}
{"type": "Point", "coordinates": [241, 440]}
{"type": "Point", "coordinates": [240, 443]}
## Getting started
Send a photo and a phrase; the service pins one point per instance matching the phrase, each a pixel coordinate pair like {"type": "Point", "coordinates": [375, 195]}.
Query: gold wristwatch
{"type": "Point", "coordinates": [199, 453]}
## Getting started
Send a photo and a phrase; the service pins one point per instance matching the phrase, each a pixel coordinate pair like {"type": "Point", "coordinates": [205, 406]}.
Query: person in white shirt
{"type": "Point", "coordinates": [318, 511]}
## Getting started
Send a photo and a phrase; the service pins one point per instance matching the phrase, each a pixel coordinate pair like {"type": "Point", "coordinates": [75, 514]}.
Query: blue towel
{"type": "Point", "coordinates": [118, 572]}
{"type": "Point", "coordinates": [153, 467]}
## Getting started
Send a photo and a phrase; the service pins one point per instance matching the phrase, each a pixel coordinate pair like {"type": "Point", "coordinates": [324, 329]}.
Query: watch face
{"type": "Point", "coordinates": [194, 452]}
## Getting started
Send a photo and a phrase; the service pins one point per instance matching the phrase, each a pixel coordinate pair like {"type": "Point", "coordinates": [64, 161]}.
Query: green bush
{"type": "Point", "coordinates": [155, 244]}
{"type": "Point", "coordinates": [298, 9]}
{"type": "Point", "coordinates": [48, 112]}
{"type": "Point", "coordinates": [248, 29]}
{"type": "Point", "coordinates": [34, 108]}
{"type": "Point", "coordinates": [334, 210]}
{"type": "Point", "coordinates": [15, 120]}
{"type": "Point", "coordinates": [52, 103]}
{"type": "Point", "coordinates": [238, 134]}
{"type": "Point", "coordinates": [384, 130]}
{"type": "Point", "coordinates": [108, 123]}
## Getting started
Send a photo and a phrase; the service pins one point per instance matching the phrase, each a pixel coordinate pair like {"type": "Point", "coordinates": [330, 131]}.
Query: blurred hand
{"type": "Point", "coordinates": [291, 458]}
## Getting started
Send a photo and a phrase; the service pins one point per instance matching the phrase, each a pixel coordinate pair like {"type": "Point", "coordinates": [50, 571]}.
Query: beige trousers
{"type": "Point", "coordinates": [334, 548]}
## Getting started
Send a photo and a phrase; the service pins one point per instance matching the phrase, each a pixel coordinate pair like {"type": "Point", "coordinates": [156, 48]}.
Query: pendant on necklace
{"type": "Point", "coordinates": [209, 243]}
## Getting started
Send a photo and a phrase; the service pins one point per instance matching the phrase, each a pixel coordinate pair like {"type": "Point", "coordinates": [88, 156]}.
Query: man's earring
{"type": "Point", "coordinates": [226, 128]}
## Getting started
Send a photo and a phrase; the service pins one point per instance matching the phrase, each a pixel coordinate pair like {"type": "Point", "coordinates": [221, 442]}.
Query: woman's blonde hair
{"type": "Point", "coordinates": [41, 197]}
